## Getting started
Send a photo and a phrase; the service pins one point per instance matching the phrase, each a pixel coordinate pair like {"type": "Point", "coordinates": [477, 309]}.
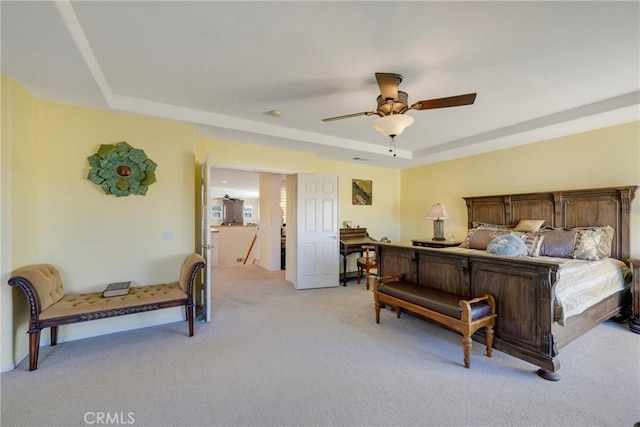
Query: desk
{"type": "Point", "coordinates": [351, 241]}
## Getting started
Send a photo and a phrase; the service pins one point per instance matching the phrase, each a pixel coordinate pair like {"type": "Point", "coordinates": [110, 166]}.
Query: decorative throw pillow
{"type": "Point", "coordinates": [529, 225]}
{"type": "Point", "coordinates": [477, 224]}
{"type": "Point", "coordinates": [533, 242]}
{"type": "Point", "coordinates": [507, 245]}
{"type": "Point", "coordinates": [558, 243]}
{"type": "Point", "coordinates": [593, 243]}
{"type": "Point", "coordinates": [465, 242]}
{"type": "Point", "coordinates": [480, 237]}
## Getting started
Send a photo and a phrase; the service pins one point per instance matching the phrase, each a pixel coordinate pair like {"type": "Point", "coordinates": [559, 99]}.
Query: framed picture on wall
{"type": "Point", "coordinates": [362, 192]}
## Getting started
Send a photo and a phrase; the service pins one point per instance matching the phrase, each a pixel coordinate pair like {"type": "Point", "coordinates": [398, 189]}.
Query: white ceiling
{"type": "Point", "coordinates": [541, 69]}
{"type": "Point", "coordinates": [235, 183]}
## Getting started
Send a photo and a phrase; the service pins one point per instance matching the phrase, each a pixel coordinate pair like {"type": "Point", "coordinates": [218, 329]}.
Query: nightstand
{"type": "Point", "coordinates": [428, 243]}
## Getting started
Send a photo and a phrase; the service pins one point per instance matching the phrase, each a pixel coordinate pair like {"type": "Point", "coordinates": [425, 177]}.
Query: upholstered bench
{"type": "Point", "coordinates": [50, 307]}
{"type": "Point", "coordinates": [465, 316]}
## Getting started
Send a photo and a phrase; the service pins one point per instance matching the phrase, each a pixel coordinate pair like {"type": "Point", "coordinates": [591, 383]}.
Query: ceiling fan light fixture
{"type": "Point", "coordinates": [393, 125]}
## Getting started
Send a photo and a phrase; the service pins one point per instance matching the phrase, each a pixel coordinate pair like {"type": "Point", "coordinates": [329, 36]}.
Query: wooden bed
{"type": "Point", "coordinates": [524, 287]}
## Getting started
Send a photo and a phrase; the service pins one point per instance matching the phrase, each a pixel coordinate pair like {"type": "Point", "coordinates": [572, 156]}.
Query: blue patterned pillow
{"type": "Point", "coordinates": [507, 245]}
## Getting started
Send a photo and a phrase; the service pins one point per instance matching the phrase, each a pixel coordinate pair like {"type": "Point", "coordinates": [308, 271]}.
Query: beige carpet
{"type": "Point", "coordinates": [274, 356]}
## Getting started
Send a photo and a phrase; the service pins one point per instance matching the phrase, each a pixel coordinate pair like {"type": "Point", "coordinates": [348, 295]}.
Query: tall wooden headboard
{"type": "Point", "coordinates": [571, 208]}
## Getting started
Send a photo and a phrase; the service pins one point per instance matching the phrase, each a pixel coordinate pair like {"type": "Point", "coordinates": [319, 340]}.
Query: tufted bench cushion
{"type": "Point", "coordinates": [46, 282]}
{"type": "Point", "coordinates": [75, 304]}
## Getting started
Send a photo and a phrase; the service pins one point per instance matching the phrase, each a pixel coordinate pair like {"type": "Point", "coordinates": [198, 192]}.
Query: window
{"type": "Point", "coordinates": [216, 212]}
{"type": "Point", "coordinates": [283, 201]}
{"type": "Point", "coordinates": [247, 212]}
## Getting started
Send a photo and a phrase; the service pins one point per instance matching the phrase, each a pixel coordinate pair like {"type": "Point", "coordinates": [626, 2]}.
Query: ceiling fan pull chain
{"type": "Point", "coordinates": [392, 145]}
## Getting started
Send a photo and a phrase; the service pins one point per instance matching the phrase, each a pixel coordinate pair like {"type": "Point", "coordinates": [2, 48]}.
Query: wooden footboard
{"type": "Point", "coordinates": [523, 294]}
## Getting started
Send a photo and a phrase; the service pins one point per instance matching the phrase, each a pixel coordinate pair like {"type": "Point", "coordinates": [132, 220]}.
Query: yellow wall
{"type": "Point", "coordinates": [100, 238]}
{"type": "Point", "coordinates": [19, 210]}
{"type": "Point", "coordinates": [606, 157]}
{"type": "Point", "coordinates": [381, 218]}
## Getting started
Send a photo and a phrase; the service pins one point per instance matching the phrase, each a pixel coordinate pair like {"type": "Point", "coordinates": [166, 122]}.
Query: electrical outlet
{"type": "Point", "coordinates": [168, 235]}
{"type": "Point", "coordinates": [239, 259]}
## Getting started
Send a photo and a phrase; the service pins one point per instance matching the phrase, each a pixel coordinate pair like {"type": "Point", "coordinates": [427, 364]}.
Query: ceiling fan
{"type": "Point", "coordinates": [393, 103]}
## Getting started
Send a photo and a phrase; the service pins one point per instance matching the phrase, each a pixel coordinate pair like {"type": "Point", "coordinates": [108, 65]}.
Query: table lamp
{"type": "Point", "coordinates": [437, 213]}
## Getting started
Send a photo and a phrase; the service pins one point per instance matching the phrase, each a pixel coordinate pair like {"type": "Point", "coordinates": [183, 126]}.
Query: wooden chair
{"type": "Point", "coordinates": [366, 263]}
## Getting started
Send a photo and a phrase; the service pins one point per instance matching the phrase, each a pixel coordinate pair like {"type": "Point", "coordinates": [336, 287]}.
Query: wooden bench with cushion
{"type": "Point", "coordinates": [453, 311]}
{"type": "Point", "coordinates": [50, 307]}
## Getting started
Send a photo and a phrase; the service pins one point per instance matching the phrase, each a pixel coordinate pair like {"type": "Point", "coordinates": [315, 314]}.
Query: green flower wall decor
{"type": "Point", "coordinates": [121, 169]}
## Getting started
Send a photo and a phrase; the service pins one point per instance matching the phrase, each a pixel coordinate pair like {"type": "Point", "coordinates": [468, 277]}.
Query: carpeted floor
{"type": "Point", "coordinates": [274, 356]}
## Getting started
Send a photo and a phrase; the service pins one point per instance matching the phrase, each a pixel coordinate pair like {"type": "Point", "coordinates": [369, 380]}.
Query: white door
{"type": "Point", "coordinates": [204, 312]}
{"type": "Point", "coordinates": [317, 232]}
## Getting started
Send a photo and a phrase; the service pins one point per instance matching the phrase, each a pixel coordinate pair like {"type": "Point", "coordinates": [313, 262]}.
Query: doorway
{"type": "Point", "coordinates": [259, 198]}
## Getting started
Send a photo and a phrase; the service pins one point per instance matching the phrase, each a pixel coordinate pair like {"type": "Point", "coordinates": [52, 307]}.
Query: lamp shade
{"type": "Point", "coordinates": [393, 125]}
{"type": "Point", "coordinates": [437, 211]}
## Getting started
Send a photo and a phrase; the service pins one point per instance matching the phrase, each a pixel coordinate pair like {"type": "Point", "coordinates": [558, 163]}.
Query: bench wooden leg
{"type": "Point", "coordinates": [190, 316]}
{"type": "Point", "coordinates": [377, 312]}
{"type": "Point", "coordinates": [489, 337]}
{"type": "Point", "coordinates": [466, 345]}
{"type": "Point", "coordinates": [398, 312]}
{"type": "Point", "coordinates": [54, 335]}
{"type": "Point", "coordinates": [34, 348]}
{"type": "Point", "coordinates": [368, 272]}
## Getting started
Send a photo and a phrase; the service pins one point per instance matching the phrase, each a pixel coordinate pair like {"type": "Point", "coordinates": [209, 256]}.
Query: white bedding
{"type": "Point", "coordinates": [582, 284]}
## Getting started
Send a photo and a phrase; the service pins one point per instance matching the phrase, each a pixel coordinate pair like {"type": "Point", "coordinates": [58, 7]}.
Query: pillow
{"type": "Point", "coordinates": [533, 243]}
{"type": "Point", "coordinates": [479, 238]}
{"type": "Point", "coordinates": [558, 243]}
{"type": "Point", "coordinates": [465, 242]}
{"type": "Point", "coordinates": [529, 225]}
{"type": "Point", "coordinates": [477, 224]}
{"type": "Point", "coordinates": [507, 245]}
{"type": "Point", "coordinates": [593, 243]}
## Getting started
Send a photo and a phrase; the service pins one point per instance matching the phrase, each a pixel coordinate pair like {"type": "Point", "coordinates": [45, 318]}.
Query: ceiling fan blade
{"type": "Point", "coordinates": [451, 101]}
{"type": "Point", "coordinates": [388, 83]}
{"type": "Point", "coordinates": [348, 116]}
